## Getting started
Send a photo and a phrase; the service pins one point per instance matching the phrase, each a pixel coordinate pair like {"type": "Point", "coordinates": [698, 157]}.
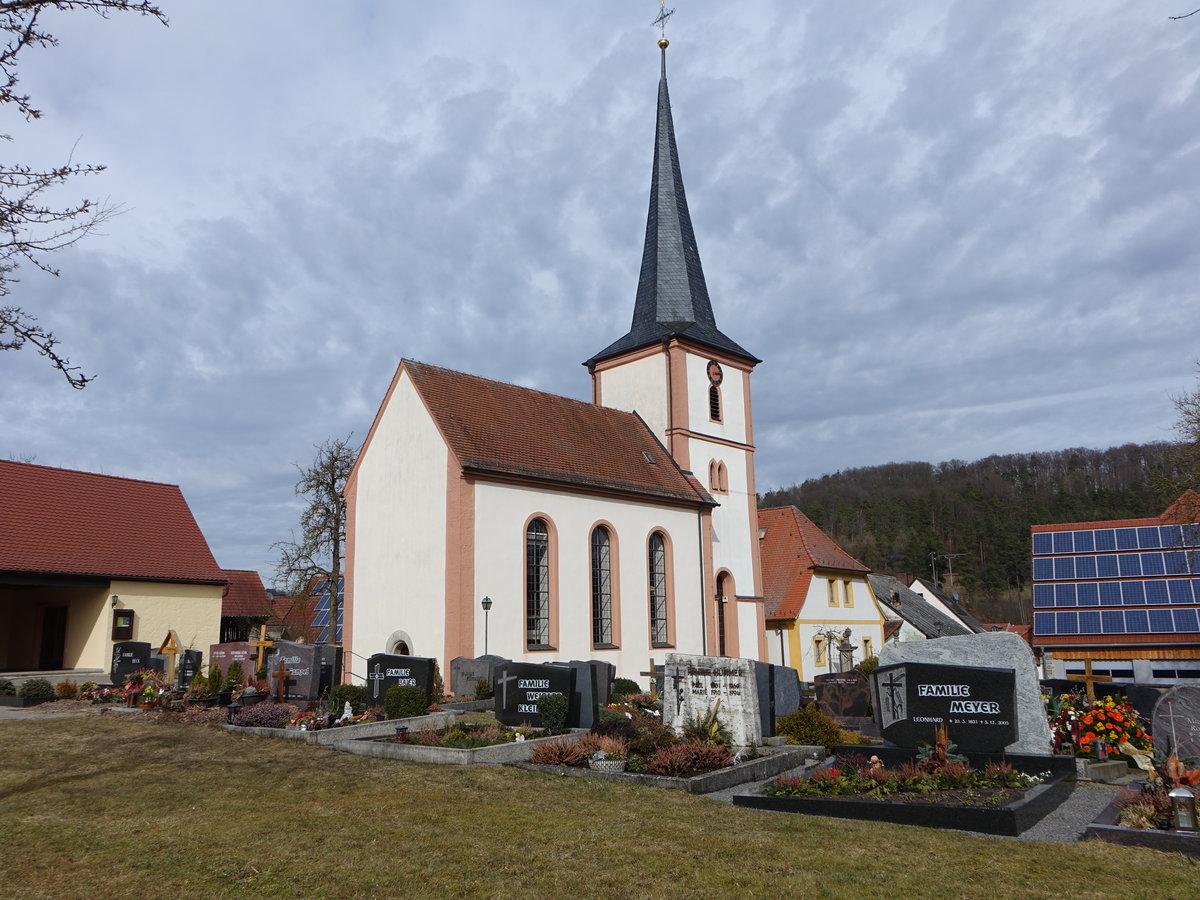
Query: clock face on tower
{"type": "Point", "coordinates": [714, 372]}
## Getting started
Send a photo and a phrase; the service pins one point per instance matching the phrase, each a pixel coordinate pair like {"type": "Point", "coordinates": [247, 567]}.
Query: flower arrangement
{"type": "Point", "coordinates": [1077, 723]}
{"type": "Point", "coordinates": [105, 694]}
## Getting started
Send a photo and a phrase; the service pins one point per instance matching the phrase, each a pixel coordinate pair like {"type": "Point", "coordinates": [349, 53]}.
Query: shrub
{"type": "Point", "coordinates": [706, 728]}
{"type": "Point", "coordinates": [403, 701]}
{"type": "Point", "coordinates": [564, 752]}
{"type": "Point", "coordinates": [439, 686]}
{"type": "Point", "coordinates": [613, 715]}
{"type": "Point", "coordinates": [66, 690]}
{"type": "Point", "coordinates": [809, 725]}
{"type": "Point", "coordinates": [235, 677]}
{"type": "Point", "coordinates": [483, 689]}
{"type": "Point", "coordinates": [553, 709]}
{"type": "Point", "coordinates": [215, 677]}
{"type": "Point", "coordinates": [265, 715]}
{"type": "Point", "coordinates": [624, 687]}
{"type": "Point", "coordinates": [868, 665]}
{"type": "Point", "coordinates": [355, 694]}
{"type": "Point", "coordinates": [650, 736]}
{"type": "Point", "coordinates": [7, 688]}
{"type": "Point", "coordinates": [36, 688]}
{"type": "Point", "coordinates": [689, 758]}
{"type": "Point", "coordinates": [199, 688]}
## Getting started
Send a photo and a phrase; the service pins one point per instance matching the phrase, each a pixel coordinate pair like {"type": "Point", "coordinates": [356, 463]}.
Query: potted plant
{"type": "Point", "coordinates": [199, 692]}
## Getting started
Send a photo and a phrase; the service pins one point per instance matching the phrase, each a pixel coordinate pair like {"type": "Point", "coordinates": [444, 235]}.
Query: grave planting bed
{"type": "Point", "coordinates": [495, 755]}
{"type": "Point", "coordinates": [1027, 808]}
{"type": "Point", "coordinates": [329, 736]}
{"type": "Point", "coordinates": [772, 761]}
{"type": "Point", "coordinates": [1105, 828]}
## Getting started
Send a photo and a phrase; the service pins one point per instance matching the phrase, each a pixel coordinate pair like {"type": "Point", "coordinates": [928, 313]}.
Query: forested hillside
{"type": "Point", "coordinates": [895, 517]}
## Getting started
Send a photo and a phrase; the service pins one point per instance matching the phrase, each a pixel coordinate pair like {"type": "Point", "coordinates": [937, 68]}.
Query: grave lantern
{"type": "Point", "coordinates": [1183, 804]}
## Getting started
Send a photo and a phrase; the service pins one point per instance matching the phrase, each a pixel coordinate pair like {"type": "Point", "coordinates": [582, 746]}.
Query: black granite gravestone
{"type": "Point", "coordinates": [787, 690]}
{"type": "Point", "coordinates": [388, 670]}
{"type": "Point", "coordinates": [764, 677]}
{"type": "Point", "coordinates": [593, 689]}
{"type": "Point", "coordinates": [304, 670]}
{"type": "Point", "coordinates": [329, 658]}
{"type": "Point", "coordinates": [844, 695]}
{"type": "Point", "coordinates": [519, 687]}
{"type": "Point", "coordinates": [127, 658]}
{"type": "Point", "coordinates": [190, 662]}
{"type": "Point", "coordinates": [977, 705]}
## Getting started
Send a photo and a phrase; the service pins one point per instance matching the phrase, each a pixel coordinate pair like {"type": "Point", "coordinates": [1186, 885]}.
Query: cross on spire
{"type": "Point", "coordinates": [663, 15]}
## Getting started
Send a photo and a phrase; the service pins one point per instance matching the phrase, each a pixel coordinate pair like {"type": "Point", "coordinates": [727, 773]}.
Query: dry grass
{"type": "Point", "coordinates": [92, 807]}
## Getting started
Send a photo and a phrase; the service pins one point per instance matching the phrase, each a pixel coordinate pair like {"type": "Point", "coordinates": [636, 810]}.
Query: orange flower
{"type": "Point", "coordinates": [1087, 720]}
{"type": "Point", "coordinates": [1087, 738]}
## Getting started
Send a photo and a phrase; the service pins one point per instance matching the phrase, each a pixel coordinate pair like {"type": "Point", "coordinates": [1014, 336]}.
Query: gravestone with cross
{"type": "Point", "coordinates": [695, 685]}
{"type": "Point", "coordinates": [520, 686]}
{"type": "Point", "coordinates": [466, 672]}
{"type": "Point", "coordinates": [388, 670]}
{"type": "Point", "coordinates": [304, 665]}
{"type": "Point", "coordinates": [1177, 721]}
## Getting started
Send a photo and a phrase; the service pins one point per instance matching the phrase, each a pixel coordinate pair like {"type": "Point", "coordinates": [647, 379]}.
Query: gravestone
{"type": "Point", "coordinates": [224, 655]}
{"type": "Point", "coordinates": [976, 705]}
{"type": "Point", "coordinates": [190, 662]}
{"type": "Point", "coordinates": [788, 690]}
{"type": "Point", "coordinates": [991, 649]}
{"type": "Point", "coordinates": [592, 689]}
{"type": "Point", "coordinates": [329, 659]}
{"type": "Point", "coordinates": [388, 670]}
{"type": "Point", "coordinates": [694, 684]}
{"type": "Point", "coordinates": [127, 658]}
{"type": "Point", "coordinates": [520, 687]}
{"type": "Point", "coordinates": [844, 695]}
{"type": "Point", "coordinates": [1177, 719]}
{"type": "Point", "coordinates": [465, 672]}
{"type": "Point", "coordinates": [1142, 697]}
{"type": "Point", "coordinates": [304, 667]}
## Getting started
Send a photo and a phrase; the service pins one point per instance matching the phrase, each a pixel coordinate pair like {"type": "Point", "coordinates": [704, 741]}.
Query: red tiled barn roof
{"type": "Point", "coordinates": [1183, 511]}
{"type": "Point", "coordinates": [502, 429]}
{"type": "Point", "coordinates": [791, 548]}
{"type": "Point", "coordinates": [245, 595]}
{"type": "Point", "coordinates": [79, 523]}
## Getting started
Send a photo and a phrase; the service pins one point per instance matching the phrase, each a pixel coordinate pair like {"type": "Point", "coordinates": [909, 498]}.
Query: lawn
{"type": "Point", "coordinates": [96, 807]}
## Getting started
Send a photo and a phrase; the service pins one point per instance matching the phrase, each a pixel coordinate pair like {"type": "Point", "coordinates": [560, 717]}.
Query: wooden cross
{"type": "Point", "coordinates": [169, 648]}
{"type": "Point", "coordinates": [1089, 679]}
{"type": "Point", "coordinates": [262, 644]}
{"type": "Point", "coordinates": [653, 673]}
{"type": "Point", "coordinates": [281, 674]}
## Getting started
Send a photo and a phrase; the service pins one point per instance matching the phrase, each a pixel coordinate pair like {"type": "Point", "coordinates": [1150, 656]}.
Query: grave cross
{"type": "Point", "coordinates": [281, 675]}
{"type": "Point", "coordinates": [895, 703]}
{"type": "Point", "coordinates": [653, 673]}
{"type": "Point", "coordinates": [169, 648]}
{"type": "Point", "coordinates": [503, 684]}
{"type": "Point", "coordinates": [262, 644]}
{"type": "Point", "coordinates": [376, 678]}
{"type": "Point", "coordinates": [1089, 679]}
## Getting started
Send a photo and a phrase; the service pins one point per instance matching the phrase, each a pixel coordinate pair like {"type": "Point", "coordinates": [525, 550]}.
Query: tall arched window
{"type": "Point", "coordinates": [714, 403]}
{"type": "Point", "coordinates": [601, 586]}
{"type": "Point", "coordinates": [659, 633]}
{"type": "Point", "coordinates": [722, 599]}
{"type": "Point", "coordinates": [537, 584]}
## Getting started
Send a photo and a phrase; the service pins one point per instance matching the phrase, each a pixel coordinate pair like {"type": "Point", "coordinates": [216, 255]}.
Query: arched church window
{"type": "Point", "coordinates": [537, 583]}
{"type": "Point", "coordinates": [723, 478]}
{"type": "Point", "coordinates": [659, 633]}
{"type": "Point", "coordinates": [601, 586]}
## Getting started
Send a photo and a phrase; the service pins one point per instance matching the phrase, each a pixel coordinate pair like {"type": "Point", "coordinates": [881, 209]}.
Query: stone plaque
{"type": "Point", "coordinates": [992, 649]}
{"type": "Point", "coordinates": [127, 658]}
{"type": "Point", "coordinates": [224, 655]}
{"type": "Point", "coordinates": [465, 671]}
{"type": "Point", "coordinates": [1177, 720]}
{"type": "Point", "coordinates": [844, 695]}
{"type": "Point", "coordinates": [387, 670]}
{"type": "Point", "coordinates": [519, 687]}
{"type": "Point", "coordinates": [190, 663]}
{"type": "Point", "coordinates": [304, 670]}
{"type": "Point", "coordinates": [977, 705]}
{"type": "Point", "coordinates": [694, 684]}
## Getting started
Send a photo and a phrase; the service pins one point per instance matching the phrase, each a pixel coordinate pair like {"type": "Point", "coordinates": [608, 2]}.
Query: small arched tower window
{"type": "Point", "coordinates": [715, 377]}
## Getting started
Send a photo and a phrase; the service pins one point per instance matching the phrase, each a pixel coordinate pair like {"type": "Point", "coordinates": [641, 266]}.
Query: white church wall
{"type": "Point", "coordinates": [501, 513]}
{"type": "Point", "coordinates": [638, 386]}
{"type": "Point", "coordinates": [732, 426]}
{"type": "Point", "coordinates": [400, 551]}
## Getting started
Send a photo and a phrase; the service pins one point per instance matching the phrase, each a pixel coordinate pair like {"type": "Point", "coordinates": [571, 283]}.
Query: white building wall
{"type": "Point", "coordinates": [639, 386]}
{"type": "Point", "coordinates": [864, 619]}
{"type": "Point", "coordinates": [732, 426]}
{"type": "Point", "coordinates": [919, 587]}
{"type": "Point", "coordinates": [400, 550]}
{"type": "Point", "coordinates": [501, 512]}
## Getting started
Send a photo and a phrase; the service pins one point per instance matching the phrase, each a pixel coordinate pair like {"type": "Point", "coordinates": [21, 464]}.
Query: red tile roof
{"type": "Point", "coordinates": [502, 429]}
{"type": "Point", "coordinates": [245, 595]}
{"type": "Point", "coordinates": [791, 549]}
{"type": "Point", "coordinates": [1183, 511]}
{"type": "Point", "coordinates": [79, 523]}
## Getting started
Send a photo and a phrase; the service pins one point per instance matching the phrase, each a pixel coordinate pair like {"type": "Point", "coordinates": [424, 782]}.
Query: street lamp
{"type": "Point", "coordinates": [486, 603]}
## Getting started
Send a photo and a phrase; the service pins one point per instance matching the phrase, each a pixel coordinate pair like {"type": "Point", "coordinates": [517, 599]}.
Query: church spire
{"type": "Point", "coordinates": [672, 297]}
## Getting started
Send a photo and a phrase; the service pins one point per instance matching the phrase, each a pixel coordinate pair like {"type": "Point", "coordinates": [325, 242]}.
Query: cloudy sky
{"type": "Point", "coordinates": [949, 229]}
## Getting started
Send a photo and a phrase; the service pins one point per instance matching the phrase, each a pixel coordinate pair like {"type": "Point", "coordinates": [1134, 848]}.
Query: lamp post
{"type": "Point", "coordinates": [486, 603]}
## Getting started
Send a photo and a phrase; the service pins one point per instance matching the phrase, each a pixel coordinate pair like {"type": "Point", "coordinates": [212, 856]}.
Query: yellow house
{"type": "Point", "coordinates": [87, 560]}
{"type": "Point", "coordinates": [818, 598]}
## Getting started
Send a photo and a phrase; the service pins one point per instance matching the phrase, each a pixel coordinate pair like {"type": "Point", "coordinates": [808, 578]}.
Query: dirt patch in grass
{"type": "Point", "coordinates": [106, 806]}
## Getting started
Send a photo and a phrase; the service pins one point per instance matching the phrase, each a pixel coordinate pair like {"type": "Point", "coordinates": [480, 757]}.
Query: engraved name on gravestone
{"type": "Point", "coordinates": [224, 655]}
{"type": "Point", "coordinates": [127, 658]}
{"type": "Point", "coordinates": [693, 685]}
{"type": "Point", "coordinates": [301, 661]}
{"type": "Point", "coordinates": [465, 672]}
{"type": "Point", "coordinates": [190, 662]}
{"type": "Point", "coordinates": [520, 686]}
{"type": "Point", "coordinates": [1177, 721]}
{"type": "Point", "coordinates": [977, 705]}
{"type": "Point", "coordinates": [844, 695]}
{"type": "Point", "coordinates": [388, 670]}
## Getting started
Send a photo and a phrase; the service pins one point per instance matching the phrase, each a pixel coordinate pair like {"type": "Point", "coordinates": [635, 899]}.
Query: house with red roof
{"type": "Point", "coordinates": [819, 603]}
{"type": "Point", "coordinates": [245, 605]}
{"type": "Point", "coordinates": [485, 516]}
{"type": "Point", "coordinates": [88, 559]}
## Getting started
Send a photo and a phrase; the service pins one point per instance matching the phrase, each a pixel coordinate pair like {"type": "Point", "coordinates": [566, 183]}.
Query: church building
{"type": "Point", "coordinates": [486, 517]}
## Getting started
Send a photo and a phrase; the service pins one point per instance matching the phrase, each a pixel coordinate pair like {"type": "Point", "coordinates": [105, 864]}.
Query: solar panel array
{"type": "Point", "coordinates": [321, 610]}
{"type": "Point", "coordinates": [1097, 540]}
{"type": "Point", "coordinates": [1118, 621]}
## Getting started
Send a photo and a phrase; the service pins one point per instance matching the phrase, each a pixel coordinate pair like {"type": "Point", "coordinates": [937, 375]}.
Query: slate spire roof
{"type": "Point", "coordinates": [672, 297]}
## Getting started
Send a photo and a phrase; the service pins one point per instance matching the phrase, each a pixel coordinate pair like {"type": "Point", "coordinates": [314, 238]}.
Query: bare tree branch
{"type": "Point", "coordinates": [1189, 15]}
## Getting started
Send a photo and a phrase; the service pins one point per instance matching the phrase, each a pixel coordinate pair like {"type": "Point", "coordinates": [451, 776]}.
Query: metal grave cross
{"type": "Point", "coordinates": [1089, 679]}
{"type": "Point", "coordinates": [262, 644]}
{"type": "Point", "coordinates": [281, 674]}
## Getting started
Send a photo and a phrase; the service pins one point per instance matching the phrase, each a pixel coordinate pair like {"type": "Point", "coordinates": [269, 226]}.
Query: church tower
{"type": "Point", "coordinates": [690, 383]}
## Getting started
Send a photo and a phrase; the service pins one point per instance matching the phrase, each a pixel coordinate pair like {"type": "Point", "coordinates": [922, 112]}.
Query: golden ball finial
{"type": "Point", "coordinates": [663, 43]}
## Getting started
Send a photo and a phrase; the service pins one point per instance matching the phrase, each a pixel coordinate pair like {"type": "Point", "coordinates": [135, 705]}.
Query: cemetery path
{"type": "Point", "coordinates": [1065, 825]}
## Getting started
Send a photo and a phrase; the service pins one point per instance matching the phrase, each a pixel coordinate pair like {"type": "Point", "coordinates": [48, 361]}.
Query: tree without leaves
{"type": "Point", "coordinates": [30, 229]}
{"type": "Point", "coordinates": [318, 551]}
